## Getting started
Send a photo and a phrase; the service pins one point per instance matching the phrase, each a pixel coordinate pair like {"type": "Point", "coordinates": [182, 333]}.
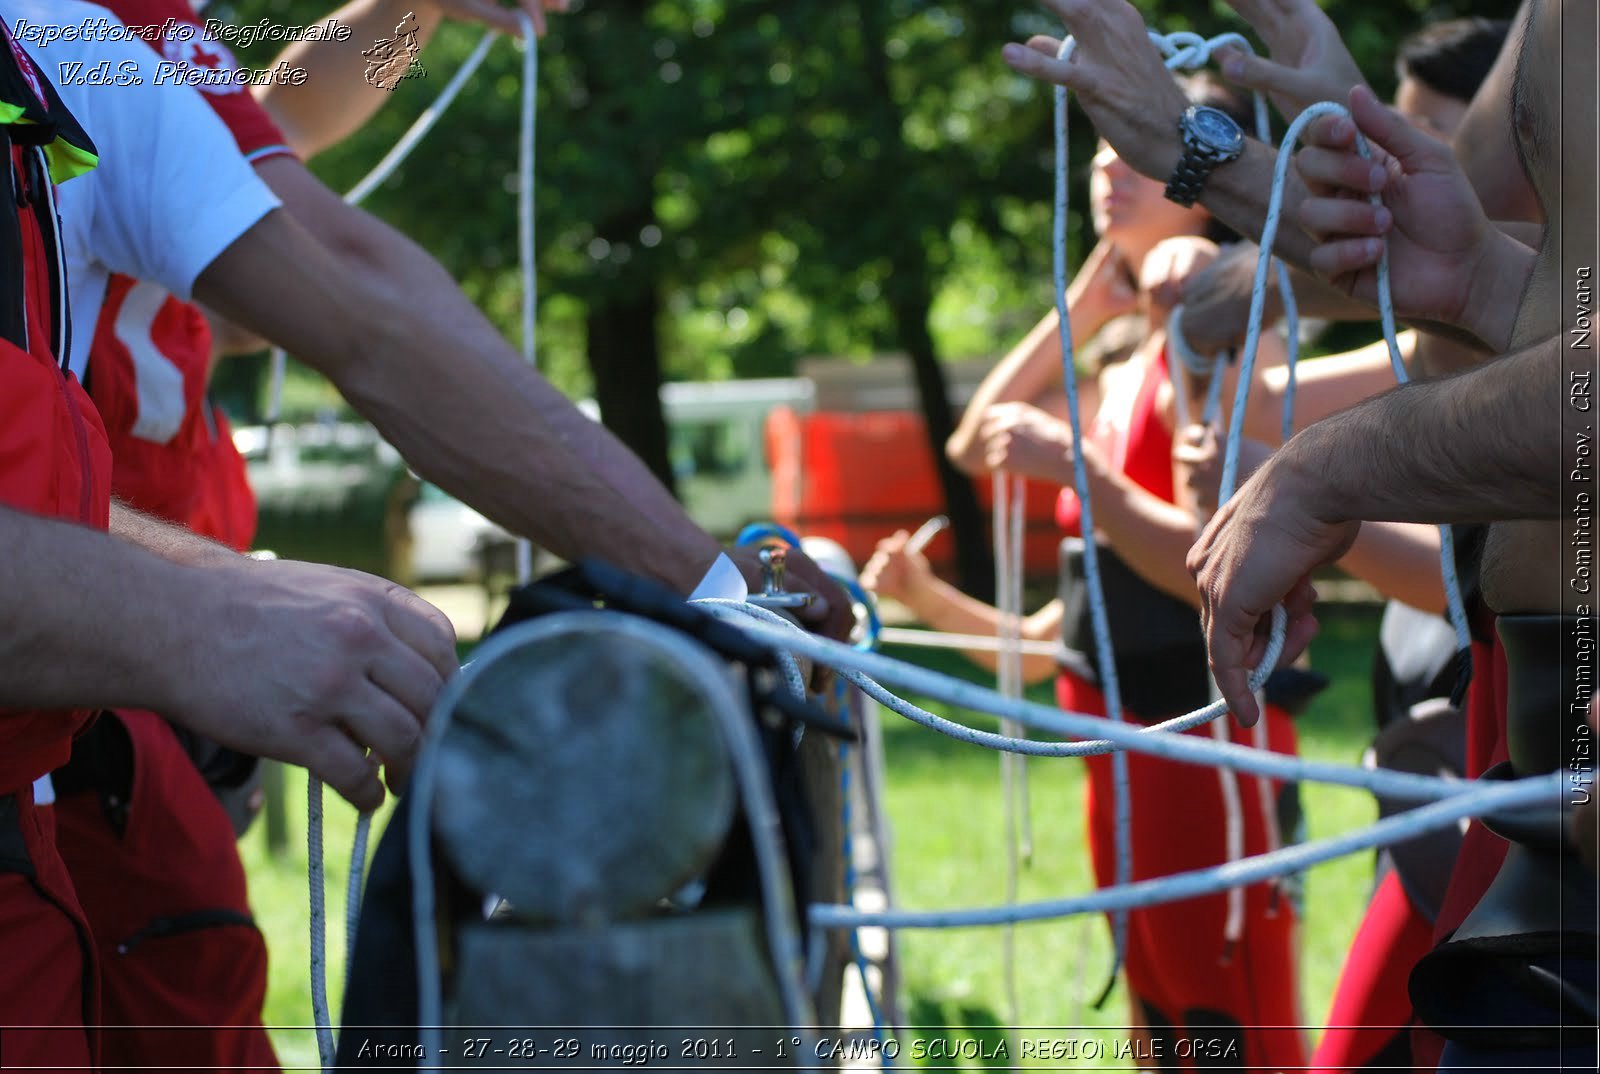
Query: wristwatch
{"type": "Point", "coordinates": [1210, 137]}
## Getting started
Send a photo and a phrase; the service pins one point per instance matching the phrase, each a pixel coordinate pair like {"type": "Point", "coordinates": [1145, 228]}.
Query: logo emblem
{"type": "Point", "coordinates": [392, 60]}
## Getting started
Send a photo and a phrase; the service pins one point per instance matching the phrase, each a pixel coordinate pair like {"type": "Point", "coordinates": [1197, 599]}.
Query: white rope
{"type": "Point", "coordinates": [317, 881]}
{"type": "Point", "coordinates": [737, 611]}
{"type": "Point", "coordinates": [933, 639]}
{"type": "Point", "coordinates": [1489, 797]}
{"type": "Point", "coordinates": [525, 222]}
{"type": "Point", "coordinates": [1181, 50]}
{"type": "Point", "coordinates": [1160, 740]}
{"type": "Point", "coordinates": [1233, 810]}
{"type": "Point", "coordinates": [352, 893]}
{"type": "Point", "coordinates": [1008, 597]}
{"type": "Point", "coordinates": [761, 816]}
{"type": "Point", "coordinates": [1122, 807]}
{"type": "Point", "coordinates": [1452, 583]}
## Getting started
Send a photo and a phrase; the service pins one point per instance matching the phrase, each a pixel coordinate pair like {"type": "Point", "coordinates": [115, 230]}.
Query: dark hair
{"type": "Point", "coordinates": [1453, 57]}
{"type": "Point", "coordinates": [1202, 87]}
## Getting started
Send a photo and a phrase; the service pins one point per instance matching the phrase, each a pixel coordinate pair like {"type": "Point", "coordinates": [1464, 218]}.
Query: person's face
{"type": "Point", "coordinates": [1435, 112]}
{"type": "Point", "coordinates": [1132, 210]}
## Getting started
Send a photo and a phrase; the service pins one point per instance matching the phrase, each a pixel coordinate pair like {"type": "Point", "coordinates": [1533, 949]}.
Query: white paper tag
{"type": "Point", "coordinates": [723, 581]}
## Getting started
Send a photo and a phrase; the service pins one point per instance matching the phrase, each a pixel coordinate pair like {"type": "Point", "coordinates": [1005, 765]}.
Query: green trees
{"type": "Point", "coordinates": [727, 185]}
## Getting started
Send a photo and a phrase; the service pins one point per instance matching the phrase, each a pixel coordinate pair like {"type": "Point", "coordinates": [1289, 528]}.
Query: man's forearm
{"type": "Point", "coordinates": [1484, 445]}
{"type": "Point", "coordinates": [335, 99]}
{"type": "Point", "coordinates": [86, 620]}
{"type": "Point", "coordinates": [413, 355]}
{"type": "Point", "coordinates": [172, 543]}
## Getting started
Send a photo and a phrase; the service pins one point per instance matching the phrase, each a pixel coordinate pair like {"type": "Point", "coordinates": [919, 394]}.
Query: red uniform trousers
{"type": "Point", "coordinates": [1370, 1022]}
{"type": "Point", "coordinates": [169, 913]}
{"type": "Point", "coordinates": [48, 990]}
{"type": "Point", "coordinates": [1177, 958]}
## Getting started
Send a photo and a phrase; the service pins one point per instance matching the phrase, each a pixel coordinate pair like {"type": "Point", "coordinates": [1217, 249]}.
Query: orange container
{"type": "Point", "coordinates": [856, 478]}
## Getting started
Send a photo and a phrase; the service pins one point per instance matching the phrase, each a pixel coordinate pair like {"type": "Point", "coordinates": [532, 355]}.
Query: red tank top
{"type": "Point", "coordinates": [1141, 443]}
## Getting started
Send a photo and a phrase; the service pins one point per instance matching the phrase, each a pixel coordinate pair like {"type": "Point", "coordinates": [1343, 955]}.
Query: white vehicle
{"type": "Point", "coordinates": [449, 540]}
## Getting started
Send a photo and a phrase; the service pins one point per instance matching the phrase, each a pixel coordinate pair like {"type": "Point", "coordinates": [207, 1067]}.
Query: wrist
{"type": "Point", "coordinates": [1501, 268]}
{"type": "Point", "coordinates": [1300, 471]}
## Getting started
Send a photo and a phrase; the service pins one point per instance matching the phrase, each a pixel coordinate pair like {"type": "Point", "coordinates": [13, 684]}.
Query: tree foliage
{"type": "Point", "coordinates": [727, 185]}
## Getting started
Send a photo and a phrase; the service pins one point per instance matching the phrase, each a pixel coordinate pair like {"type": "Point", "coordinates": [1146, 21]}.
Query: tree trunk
{"type": "Point", "coordinates": [974, 556]}
{"type": "Point", "coordinates": [625, 360]}
{"type": "Point", "coordinates": [909, 291]}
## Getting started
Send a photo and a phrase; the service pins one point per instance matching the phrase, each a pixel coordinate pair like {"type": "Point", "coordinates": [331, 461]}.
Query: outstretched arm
{"type": "Point", "coordinates": [1440, 273]}
{"type": "Point", "coordinates": [897, 572]}
{"type": "Point", "coordinates": [400, 341]}
{"type": "Point", "coordinates": [1102, 290]}
{"type": "Point", "coordinates": [379, 317]}
{"type": "Point", "coordinates": [1484, 445]}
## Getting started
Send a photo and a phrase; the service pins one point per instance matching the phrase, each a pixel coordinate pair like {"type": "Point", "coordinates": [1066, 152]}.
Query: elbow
{"type": "Point", "coordinates": [962, 450]}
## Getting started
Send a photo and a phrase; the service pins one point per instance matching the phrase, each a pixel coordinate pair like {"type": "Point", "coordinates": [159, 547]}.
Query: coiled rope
{"type": "Point", "coordinates": [1450, 799]}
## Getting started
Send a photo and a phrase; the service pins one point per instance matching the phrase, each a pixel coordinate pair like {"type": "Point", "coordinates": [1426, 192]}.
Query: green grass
{"type": "Point", "coordinates": [944, 801]}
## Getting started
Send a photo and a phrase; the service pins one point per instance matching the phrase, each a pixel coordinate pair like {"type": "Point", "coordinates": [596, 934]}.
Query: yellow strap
{"type": "Point", "coordinates": [66, 160]}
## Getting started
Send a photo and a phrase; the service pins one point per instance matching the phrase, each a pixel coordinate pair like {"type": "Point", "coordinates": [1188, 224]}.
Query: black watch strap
{"type": "Point", "coordinates": [1189, 177]}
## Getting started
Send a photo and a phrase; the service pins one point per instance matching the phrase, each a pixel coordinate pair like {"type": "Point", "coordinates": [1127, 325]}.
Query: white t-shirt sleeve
{"type": "Point", "coordinates": [172, 190]}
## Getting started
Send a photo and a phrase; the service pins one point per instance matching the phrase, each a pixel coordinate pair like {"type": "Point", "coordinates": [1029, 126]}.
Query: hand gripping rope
{"type": "Point", "coordinates": [1452, 798]}
{"type": "Point", "coordinates": [386, 167]}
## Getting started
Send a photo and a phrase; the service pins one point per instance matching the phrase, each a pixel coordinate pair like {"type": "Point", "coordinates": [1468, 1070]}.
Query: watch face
{"type": "Point", "coordinates": [1216, 129]}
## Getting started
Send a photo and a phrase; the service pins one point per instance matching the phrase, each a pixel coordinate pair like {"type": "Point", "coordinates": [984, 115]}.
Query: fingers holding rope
{"type": "Point", "coordinates": [506, 20]}
{"type": "Point", "coordinates": [1258, 551]}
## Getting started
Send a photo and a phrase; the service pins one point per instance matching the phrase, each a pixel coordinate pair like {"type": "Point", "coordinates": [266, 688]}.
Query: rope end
{"type": "Point", "coordinates": [1458, 693]}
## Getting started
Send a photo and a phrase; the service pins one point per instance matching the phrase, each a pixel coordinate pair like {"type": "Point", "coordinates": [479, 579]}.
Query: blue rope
{"type": "Point", "coordinates": [758, 532]}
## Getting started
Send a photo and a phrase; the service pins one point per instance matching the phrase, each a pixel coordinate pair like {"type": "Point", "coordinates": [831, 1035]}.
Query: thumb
{"type": "Point", "coordinates": [1388, 130]}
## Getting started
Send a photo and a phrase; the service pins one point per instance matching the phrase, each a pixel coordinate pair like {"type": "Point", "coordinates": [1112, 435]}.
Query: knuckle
{"type": "Point", "coordinates": [352, 625]}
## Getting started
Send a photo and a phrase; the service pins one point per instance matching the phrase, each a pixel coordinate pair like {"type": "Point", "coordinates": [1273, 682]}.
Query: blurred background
{"type": "Point", "coordinates": [777, 240]}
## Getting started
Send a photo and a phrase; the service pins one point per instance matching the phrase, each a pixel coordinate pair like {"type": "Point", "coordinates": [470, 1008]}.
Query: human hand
{"type": "Point", "coordinates": [1119, 78]}
{"type": "Point", "coordinates": [1216, 300]}
{"type": "Point", "coordinates": [315, 666]}
{"type": "Point", "coordinates": [1309, 61]}
{"type": "Point", "coordinates": [1019, 438]}
{"type": "Point", "coordinates": [895, 570]}
{"type": "Point", "coordinates": [1103, 289]}
{"type": "Point", "coordinates": [1197, 466]}
{"type": "Point", "coordinates": [1437, 233]}
{"type": "Point", "coordinates": [1168, 267]}
{"type": "Point", "coordinates": [1258, 551]}
{"type": "Point", "coordinates": [502, 18]}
